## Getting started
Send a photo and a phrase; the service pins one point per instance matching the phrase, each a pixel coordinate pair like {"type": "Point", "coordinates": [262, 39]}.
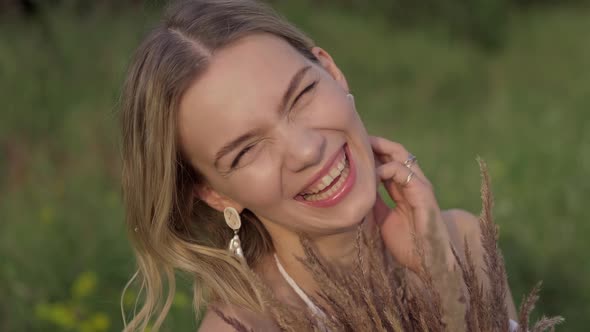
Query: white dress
{"type": "Point", "coordinates": [317, 311]}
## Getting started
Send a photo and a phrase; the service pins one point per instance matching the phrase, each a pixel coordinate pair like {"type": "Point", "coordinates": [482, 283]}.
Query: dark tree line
{"type": "Point", "coordinates": [33, 8]}
{"type": "Point", "coordinates": [481, 22]}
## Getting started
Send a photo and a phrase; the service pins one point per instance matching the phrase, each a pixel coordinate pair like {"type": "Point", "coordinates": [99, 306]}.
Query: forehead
{"type": "Point", "coordinates": [243, 83]}
{"type": "Point", "coordinates": [251, 66]}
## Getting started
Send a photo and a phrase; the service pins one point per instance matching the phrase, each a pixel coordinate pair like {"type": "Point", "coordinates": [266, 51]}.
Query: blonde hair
{"type": "Point", "coordinates": [169, 229]}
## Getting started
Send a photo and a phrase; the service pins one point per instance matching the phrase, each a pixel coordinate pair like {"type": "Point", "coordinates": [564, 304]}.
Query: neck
{"type": "Point", "coordinates": [339, 249]}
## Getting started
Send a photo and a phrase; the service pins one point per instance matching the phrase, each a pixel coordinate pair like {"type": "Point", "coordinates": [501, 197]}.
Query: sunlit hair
{"type": "Point", "coordinates": [170, 230]}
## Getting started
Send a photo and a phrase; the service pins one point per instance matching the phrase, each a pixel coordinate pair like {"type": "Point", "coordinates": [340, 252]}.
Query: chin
{"type": "Point", "coordinates": [361, 206]}
{"type": "Point", "coordinates": [352, 211]}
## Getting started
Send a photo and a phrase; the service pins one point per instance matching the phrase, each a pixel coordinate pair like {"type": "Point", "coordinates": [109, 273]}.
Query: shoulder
{"type": "Point", "coordinates": [462, 225]}
{"type": "Point", "coordinates": [251, 321]}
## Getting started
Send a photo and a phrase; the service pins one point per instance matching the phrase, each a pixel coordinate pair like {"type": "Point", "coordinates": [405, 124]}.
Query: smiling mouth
{"type": "Point", "coordinates": [332, 184]}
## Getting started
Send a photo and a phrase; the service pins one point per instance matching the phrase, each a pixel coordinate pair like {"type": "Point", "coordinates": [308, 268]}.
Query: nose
{"type": "Point", "coordinates": [304, 148]}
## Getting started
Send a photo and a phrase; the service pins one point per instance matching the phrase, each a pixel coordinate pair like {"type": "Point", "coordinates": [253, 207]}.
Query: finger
{"type": "Point", "coordinates": [415, 191]}
{"type": "Point", "coordinates": [388, 151]}
{"type": "Point", "coordinates": [398, 173]}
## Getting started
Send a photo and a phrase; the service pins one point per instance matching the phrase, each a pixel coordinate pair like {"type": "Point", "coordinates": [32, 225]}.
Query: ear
{"type": "Point", "coordinates": [215, 199]}
{"type": "Point", "coordinates": [329, 65]}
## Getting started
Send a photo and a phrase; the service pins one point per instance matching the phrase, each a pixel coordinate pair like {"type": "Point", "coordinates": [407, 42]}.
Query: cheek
{"type": "Point", "coordinates": [259, 184]}
{"type": "Point", "coordinates": [331, 109]}
{"type": "Point", "coordinates": [337, 111]}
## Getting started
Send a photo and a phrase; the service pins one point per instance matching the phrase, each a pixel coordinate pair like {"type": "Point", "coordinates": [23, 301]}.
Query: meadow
{"type": "Point", "coordinates": [524, 108]}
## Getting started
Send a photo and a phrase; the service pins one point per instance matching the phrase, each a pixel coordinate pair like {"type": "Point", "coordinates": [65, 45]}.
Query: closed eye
{"type": "Point", "coordinates": [236, 161]}
{"type": "Point", "coordinates": [304, 91]}
{"type": "Point", "coordinates": [239, 156]}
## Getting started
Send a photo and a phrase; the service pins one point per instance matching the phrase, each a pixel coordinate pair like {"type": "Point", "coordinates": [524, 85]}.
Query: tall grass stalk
{"type": "Point", "coordinates": [376, 294]}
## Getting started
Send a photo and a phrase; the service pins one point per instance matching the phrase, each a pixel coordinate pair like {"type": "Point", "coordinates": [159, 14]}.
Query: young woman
{"type": "Point", "coordinates": [238, 131]}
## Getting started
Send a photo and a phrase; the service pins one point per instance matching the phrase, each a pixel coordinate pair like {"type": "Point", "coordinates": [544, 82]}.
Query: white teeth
{"type": "Point", "coordinates": [312, 197]}
{"type": "Point", "coordinates": [331, 191]}
{"type": "Point", "coordinates": [327, 180]}
{"type": "Point", "coordinates": [334, 173]}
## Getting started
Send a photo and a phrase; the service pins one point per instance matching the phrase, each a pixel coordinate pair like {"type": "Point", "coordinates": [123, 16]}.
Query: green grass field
{"type": "Point", "coordinates": [64, 257]}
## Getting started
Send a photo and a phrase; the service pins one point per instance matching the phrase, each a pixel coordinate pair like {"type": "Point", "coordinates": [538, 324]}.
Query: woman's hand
{"type": "Point", "coordinates": [416, 205]}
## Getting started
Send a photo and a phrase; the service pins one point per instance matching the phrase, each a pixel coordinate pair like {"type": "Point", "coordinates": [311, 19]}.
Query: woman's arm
{"type": "Point", "coordinates": [463, 225]}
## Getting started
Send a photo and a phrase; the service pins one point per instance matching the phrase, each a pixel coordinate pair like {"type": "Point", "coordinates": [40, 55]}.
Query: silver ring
{"type": "Point", "coordinates": [409, 178]}
{"type": "Point", "coordinates": [410, 161]}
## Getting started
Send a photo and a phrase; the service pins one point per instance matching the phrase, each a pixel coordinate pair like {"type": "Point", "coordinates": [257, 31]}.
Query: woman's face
{"type": "Point", "coordinates": [275, 133]}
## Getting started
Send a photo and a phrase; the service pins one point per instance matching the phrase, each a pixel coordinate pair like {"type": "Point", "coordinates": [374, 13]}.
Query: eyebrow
{"type": "Point", "coordinates": [293, 84]}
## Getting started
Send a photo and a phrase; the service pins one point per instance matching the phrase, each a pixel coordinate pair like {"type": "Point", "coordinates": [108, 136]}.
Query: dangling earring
{"type": "Point", "coordinates": [232, 219]}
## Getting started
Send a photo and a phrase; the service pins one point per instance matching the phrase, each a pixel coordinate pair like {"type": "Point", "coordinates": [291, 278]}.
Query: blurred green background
{"type": "Point", "coordinates": [506, 80]}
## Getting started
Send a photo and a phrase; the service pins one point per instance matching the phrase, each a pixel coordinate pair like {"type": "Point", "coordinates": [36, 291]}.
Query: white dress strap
{"type": "Point", "coordinates": [298, 289]}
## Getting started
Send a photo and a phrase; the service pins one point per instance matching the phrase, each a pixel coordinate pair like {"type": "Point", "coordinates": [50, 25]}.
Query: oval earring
{"type": "Point", "coordinates": [232, 219]}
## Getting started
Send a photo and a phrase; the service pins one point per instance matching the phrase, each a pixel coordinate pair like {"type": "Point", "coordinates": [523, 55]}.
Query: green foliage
{"type": "Point", "coordinates": [64, 257]}
{"type": "Point", "coordinates": [73, 314]}
{"type": "Point", "coordinates": [481, 22]}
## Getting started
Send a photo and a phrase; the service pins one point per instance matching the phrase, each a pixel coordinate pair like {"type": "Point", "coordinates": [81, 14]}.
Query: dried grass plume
{"type": "Point", "coordinates": [376, 294]}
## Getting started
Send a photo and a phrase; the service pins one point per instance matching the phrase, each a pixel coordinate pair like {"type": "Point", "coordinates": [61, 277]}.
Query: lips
{"type": "Point", "coordinates": [332, 182]}
{"type": "Point", "coordinates": [328, 178]}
